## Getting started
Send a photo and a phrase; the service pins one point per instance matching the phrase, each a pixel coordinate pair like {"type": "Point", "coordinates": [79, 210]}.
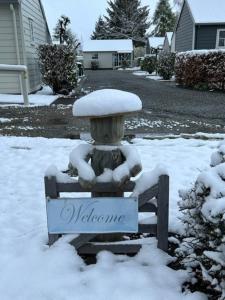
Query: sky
{"type": "Point", "coordinates": [82, 13]}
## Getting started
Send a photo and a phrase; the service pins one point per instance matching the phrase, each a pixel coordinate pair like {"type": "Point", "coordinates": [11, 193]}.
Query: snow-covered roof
{"type": "Point", "coordinates": [125, 46]}
{"type": "Point", "coordinates": [207, 11]}
{"type": "Point", "coordinates": [156, 42]}
{"type": "Point", "coordinates": [106, 102]}
{"type": "Point", "coordinates": [169, 36]}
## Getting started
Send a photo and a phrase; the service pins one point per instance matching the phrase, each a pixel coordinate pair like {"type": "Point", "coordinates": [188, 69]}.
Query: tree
{"type": "Point", "coordinates": [164, 19]}
{"type": "Point", "coordinates": [100, 32]}
{"type": "Point", "coordinates": [127, 20]}
{"type": "Point", "coordinates": [58, 67]}
{"type": "Point", "coordinates": [64, 35]}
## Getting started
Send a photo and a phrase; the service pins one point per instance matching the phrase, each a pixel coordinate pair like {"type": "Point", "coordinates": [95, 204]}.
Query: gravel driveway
{"type": "Point", "coordinates": [167, 109]}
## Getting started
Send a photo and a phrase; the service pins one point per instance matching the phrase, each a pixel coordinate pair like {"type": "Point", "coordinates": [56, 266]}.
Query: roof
{"type": "Point", "coordinates": [207, 11]}
{"type": "Point", "coordinates": [169, 37]}
{"type": "Point", "coordinates": [108, 46]}
{"type": "Point", "coordinates": [156, 42]}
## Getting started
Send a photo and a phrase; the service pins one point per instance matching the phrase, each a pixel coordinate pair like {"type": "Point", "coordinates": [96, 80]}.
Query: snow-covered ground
{"type": "Point", "coordinates": [41, 98]}
{"type": "Point", "coordinates": [32, 270]}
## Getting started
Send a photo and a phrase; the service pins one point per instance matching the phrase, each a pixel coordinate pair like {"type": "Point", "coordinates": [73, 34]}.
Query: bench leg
{"type": "Point", "coordinates": [163, 213]}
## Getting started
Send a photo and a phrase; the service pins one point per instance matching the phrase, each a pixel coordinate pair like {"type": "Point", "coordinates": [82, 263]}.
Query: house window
{"type": "Point", "coordinates": [220, 38]}
{"type": "Point", "coordinates": [95, 56]}
{"type": "Point", "coordinates": [31, 28]}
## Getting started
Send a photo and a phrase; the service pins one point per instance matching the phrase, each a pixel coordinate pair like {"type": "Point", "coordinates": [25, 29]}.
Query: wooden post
{"type": "Point", "coordinates": [51, 192]}
{"type": "Point", "coordinates": [163, 213]}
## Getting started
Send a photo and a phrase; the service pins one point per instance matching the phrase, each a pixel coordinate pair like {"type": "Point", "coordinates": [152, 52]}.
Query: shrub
{"type": "Point", "coordinates": [58, 67]}
{"type": "Point", "coordinates": [148, 64]}
{"type": "Point", "coordinates": [125, 64]}
{"type": "Point", "coordinates": [201, 69]}
{"type": "Point", "coordinates": [165, 65]}
{"type": "Point", "coordinates": [139, 61]}
{"type": "Point", "coordinates": [94, 64]}
{"type": "Point", "coordinates": [202, 250]}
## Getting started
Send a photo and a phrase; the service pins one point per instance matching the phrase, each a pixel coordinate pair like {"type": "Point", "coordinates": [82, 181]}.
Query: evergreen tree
{"type": "Point", "coordinates": [60, 31]}
{"type": "Point", "coordinates": [127, 19]}
{"type": "Point", "coordinates": [100, 32]}
{"type": "Point", "coordinates": [64, 35]}
{"type": "Point", "coordinates": [164, 19]}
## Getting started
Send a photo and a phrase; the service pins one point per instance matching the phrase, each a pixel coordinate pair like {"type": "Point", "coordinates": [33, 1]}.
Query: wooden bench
{"type": "Point", "coordinates": [83, 244]}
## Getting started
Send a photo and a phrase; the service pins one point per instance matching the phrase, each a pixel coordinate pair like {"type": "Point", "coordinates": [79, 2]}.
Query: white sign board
{"type": "Point", "coordinates": [92, 215]}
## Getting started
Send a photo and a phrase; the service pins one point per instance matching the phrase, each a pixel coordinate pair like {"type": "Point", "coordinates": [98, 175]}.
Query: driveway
{"type": "Point", "coordinates": [168, 107]}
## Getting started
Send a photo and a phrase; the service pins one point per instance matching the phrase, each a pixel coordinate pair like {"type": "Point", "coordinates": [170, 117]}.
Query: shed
{"type": "Point", "coordinates": [108, 54]}
{"type": "Point", "coordinates": [201, 25]}
{"type": "Point", "coordinates": [154, 45]}
{"type": "Point", "coordinates": [23, 26]}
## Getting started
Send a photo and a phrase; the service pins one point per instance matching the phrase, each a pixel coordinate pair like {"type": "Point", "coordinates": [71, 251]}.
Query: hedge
{"type": "Point", "coordinates": [201, 69]}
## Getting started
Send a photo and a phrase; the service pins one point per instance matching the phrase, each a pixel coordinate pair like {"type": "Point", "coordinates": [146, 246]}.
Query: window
{"type": "Point", "coordinates": [95, 56]}
{"type": "Point", "coordinates": [31, 27]}
{"type": "Point", "coordinates": [220, 42]}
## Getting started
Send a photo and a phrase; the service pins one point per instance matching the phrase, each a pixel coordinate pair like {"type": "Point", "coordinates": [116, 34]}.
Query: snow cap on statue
{"type": "Point", "coordinates": [107, 102]}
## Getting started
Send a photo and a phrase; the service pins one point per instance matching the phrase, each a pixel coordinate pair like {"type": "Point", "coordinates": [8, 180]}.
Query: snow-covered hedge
{"type": "Point", "coordinates": [165, 65]}
{"type": "Point", "coordinates": [58, 67]}
{"type": "Point", "coordinates": [202, 250]}
{"type": "Point", "coordinates": [201, 69]}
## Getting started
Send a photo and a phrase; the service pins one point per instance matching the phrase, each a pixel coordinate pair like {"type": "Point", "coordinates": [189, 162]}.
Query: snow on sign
{"type": "Point", "coordinates": [92, 215]}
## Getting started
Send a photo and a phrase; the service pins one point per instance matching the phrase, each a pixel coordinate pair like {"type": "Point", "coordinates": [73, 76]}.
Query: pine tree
{"type": "Point", "coordinates": [164, 19]}
{"type": "Point", "coordinates": [127, 19]}
{"type": "Point", "coordinates": [100, 32]}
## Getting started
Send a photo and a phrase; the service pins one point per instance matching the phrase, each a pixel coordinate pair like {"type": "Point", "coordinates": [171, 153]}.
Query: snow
{"type": "Point", "coordinates": [148, 180]}
{"type": "Point", "coordinates": [154, 77]}
{"type": "Point", "coordinates": [200, 52]}
{"type": "Point", "coordinates": [41, 98]}
{"type": "Point", "coordinates": [17, 68]}
{"type": "Point", "coordinates": [156, 42]}
{"type": "Point", "coordinates": [140, 73]}
{"type": "Point", "coordinates": [119, 175]}
{"type": "Point", "coordinates": [169, 36]}
{"type": "Point", "coordinates": [52, 171]}
{"type": "Point", "coordinates": [207, 11]}
{"type": "Point", "coordinates": [77, 159]}
{"type": "Point", "coordinates": [5, 120]}
{"type": "Point", "coordinates": [99, 103]}
{"type": "Point", "coordinates": [122, 46]}
{"type": "Point", "coordinates": [32, 270]}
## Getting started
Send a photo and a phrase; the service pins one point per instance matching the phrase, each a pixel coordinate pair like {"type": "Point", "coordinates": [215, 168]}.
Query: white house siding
{"type": "Point", "coordinates": [105, 60]}
{"type": "Point", "coordinates": [31, 9]}
{"type": "Point", "coordinates": [8, 83]}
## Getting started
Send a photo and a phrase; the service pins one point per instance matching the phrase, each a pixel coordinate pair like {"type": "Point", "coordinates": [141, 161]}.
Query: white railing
{"type": "Point", "coordinates": [22, 71]}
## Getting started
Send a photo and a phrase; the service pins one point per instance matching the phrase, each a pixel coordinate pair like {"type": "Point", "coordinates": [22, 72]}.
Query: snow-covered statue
{"type": "Point", "coordinates": [106, 160]}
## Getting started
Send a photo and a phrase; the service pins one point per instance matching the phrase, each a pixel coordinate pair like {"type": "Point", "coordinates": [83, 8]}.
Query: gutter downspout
{"type": "Point", "coordinates": [23, 42]}
{"type": "Point", "coordinates": [16, 34]}
{"type": "Point", "coordinates": [23, 81]}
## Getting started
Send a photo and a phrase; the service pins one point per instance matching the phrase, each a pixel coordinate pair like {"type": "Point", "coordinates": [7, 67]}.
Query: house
{"type": "Point", "coordinates": [167, 42]}
{"type": "Point", "coordinates": [201, 25]}
{"type": "Point", "coordinates": [109, 54]}
{"type": "Point", "coordinates": [154, 45]}
{"type": "Point", "coordinates": [23, 27]}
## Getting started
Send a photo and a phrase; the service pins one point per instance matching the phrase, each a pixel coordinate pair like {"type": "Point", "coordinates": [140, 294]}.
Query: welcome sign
{"type": "Point", "coordinates": [92, 215]}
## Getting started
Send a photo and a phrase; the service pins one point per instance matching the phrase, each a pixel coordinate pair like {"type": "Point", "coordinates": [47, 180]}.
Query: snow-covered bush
{"type": "Point", "coordinates": [58, 67]}
{"type": "Point", "coordinates": [201, 69]}
{"type": "Point", "coordinates": [148, 64]}
{"type": "Point", "coordinates": [202, 250]}
{"type": "Point", "coordinates": [165, 65]}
